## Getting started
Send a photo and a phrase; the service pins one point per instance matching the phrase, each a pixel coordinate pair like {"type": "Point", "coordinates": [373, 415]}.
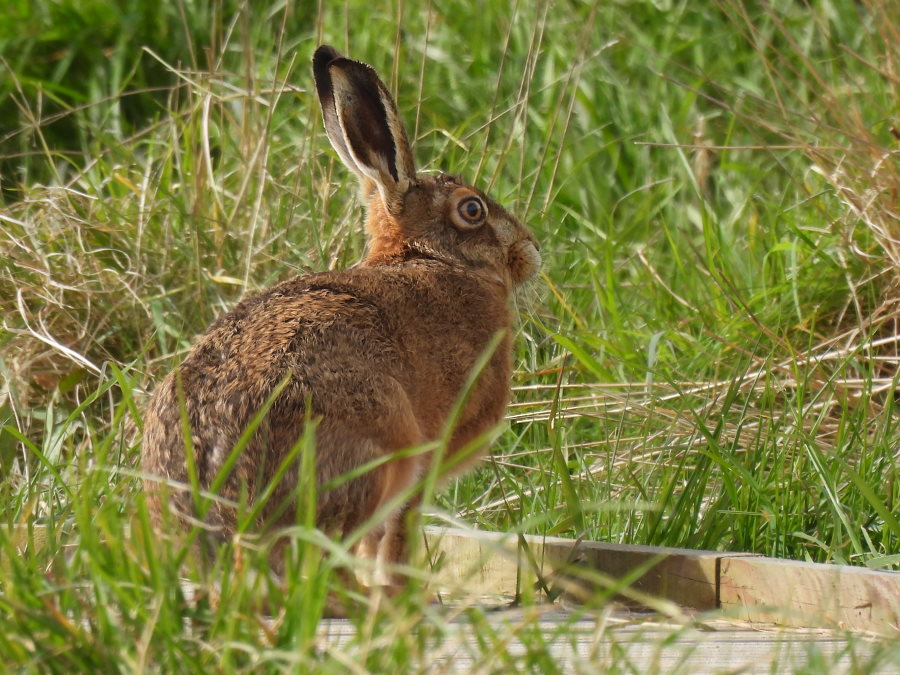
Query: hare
{"type": "Point", "coordinates": [377, 355]}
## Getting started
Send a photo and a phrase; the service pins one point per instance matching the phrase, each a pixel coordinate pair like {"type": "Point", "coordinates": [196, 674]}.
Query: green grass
{"type": "Point", "coordinates": [709, 359]}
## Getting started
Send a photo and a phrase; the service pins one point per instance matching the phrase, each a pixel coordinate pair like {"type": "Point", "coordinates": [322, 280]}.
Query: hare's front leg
{"type": "Point", "coordinates": [393, 547]}
{"type": "Point", "coordinates": [387, 545]}
{"type": "Point", "coordinates": [383, 429]}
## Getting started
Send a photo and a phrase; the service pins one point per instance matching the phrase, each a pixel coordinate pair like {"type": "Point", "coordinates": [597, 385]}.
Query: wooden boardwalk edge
{"type": "Point", "coordinates": [746, 586]}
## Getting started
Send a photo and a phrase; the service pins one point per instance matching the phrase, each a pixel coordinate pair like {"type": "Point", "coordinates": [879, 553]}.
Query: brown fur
{"type": "Point", "coordinates": [377, 354]}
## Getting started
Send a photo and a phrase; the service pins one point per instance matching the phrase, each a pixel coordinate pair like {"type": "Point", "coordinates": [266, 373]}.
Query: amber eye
{"type": "Point", "coordinates": [472, 210]}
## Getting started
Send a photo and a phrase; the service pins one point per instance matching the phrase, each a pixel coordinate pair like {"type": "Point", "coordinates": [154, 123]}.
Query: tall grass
{"type": "Point", "coordinates": [709, 359]}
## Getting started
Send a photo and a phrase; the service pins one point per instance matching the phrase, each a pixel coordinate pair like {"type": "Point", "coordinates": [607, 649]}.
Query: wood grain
{"type": "Point", "coordinates": [798, 593]}
{"type": "Point", "coordinates": [748, 587]}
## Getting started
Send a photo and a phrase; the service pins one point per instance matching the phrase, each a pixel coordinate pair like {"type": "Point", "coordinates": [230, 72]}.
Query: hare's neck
{"type": "Point", "coordinates": [383, 250]}
{"type": "Point", "coordinates": [385, 233]}
{"type": "Point", "coordinates": [416, 250]}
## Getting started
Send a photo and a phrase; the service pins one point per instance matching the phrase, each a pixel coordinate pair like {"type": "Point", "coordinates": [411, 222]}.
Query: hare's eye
{"type": "Point", "coordinates": [472, 210]}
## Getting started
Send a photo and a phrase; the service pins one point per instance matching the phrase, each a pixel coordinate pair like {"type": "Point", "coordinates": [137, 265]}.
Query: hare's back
{"type": "Point", "coordinates": [303, 330]}
{"type": "Point", "coordinates": [328, 347]}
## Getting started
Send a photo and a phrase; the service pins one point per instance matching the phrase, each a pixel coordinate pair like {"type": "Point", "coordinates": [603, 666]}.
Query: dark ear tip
{"type": "Point", "coordinates": [324, 55]}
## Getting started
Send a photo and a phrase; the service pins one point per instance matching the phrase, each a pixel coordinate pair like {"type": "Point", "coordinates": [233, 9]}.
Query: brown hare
{"type": "Point", "coordinates": [377, 355]}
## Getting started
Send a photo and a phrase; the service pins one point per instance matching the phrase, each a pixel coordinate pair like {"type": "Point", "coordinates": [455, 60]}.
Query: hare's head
{"type": "Point", "coordinates": [436, 216]}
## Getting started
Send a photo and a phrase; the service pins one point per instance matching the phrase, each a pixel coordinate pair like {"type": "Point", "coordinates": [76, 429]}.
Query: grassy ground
{"type": "Point", "coordinates": [709, 359]}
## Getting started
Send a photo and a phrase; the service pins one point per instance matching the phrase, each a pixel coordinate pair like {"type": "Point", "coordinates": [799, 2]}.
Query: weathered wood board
{"type": "Point", "coordinates": [798, 593]}
{"type": "Point", "coordinates": [745, 586]}
{"type": "Point", "coordinates": [584, 642]}
{"type": "Point", "coordinates": [493, 563]}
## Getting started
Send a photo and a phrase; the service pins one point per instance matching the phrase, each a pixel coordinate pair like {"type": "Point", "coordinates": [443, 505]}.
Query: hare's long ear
{"type": "Point", "coordinates": [363, 126]}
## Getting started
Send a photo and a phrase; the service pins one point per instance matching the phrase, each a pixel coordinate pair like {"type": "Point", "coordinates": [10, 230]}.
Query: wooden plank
{"type": "Point", "coordinates": [810, 594]}
{"type": "Point", "coordinates": [491, 563]}
{"type": "Point", "coordinates": [586, 642]}
{"type": "Point", "coordinates": [473, 563]}
{"type": "Point", "coordinates": [685, 577]}
{"type": "Point", "coordinates": [752, 588]}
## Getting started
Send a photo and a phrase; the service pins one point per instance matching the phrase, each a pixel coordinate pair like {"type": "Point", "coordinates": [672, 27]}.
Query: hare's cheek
{"type": "Point", "coordinates": [524, 260]}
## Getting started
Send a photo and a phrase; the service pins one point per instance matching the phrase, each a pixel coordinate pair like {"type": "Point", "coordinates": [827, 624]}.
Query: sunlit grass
{"type": "Point", "coordinates": [708, 360]}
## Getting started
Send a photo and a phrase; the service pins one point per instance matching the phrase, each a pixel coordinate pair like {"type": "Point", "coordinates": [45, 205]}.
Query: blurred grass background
{"type": "Point", "coordinates": [709, 359]}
